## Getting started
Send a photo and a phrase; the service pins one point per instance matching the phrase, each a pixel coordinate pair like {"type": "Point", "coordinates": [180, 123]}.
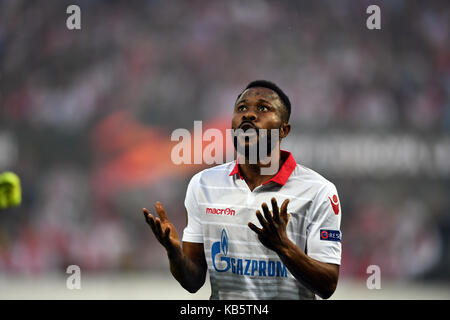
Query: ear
{"type": "Point", "coordinates": [284, 129]}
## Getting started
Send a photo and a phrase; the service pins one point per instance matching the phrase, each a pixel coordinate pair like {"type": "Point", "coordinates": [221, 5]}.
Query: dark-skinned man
{"type": "Point", "coordinates": [260, 235]}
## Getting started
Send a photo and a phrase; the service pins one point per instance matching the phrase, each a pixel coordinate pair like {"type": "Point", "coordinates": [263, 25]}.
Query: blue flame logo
{"type": "Point", "coordinates": [224, 242]}
{"type": "Point", "coordinates": [218, 246]}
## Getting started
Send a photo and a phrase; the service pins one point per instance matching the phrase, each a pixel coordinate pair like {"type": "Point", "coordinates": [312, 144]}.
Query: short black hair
{"type": "Point", "coordinates": [270, 85]}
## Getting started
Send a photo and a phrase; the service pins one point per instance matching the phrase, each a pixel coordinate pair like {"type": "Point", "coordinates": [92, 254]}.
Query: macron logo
{"type": "Point", "coordinates": [227, 211]}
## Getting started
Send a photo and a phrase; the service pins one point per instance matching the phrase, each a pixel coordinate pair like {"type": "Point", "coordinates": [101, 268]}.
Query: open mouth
{"type": "Point", "coordinates": [247, 133]}
{"type": "Point", "coordinates": [247, 125]}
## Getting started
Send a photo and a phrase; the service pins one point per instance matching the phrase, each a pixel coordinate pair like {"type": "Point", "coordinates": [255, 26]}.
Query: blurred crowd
{"type": "Point", "coordinates": [90, 112]}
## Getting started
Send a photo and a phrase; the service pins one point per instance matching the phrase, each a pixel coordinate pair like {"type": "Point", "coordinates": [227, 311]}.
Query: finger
{"type": "Point", "coordinates": [267, 213]}
{"type": "Point", "coordinates": [283, 210]}
{"type": "Point", "coordinates": [158, 228]}
{"type": "Point", "coordinates": [263, 221]}
{"type": "Point", "coordinates": [255, 228]}
{"type": "Point", "coordinates": [152, 224]}
{"type": "Point", "coordinates": [276, 213]}
{"type": "Point", "coordinates": [146, 213]}
{"type": "Point", "coordinates": [149, 218]}
{"type": "Point", "coordinates": [167, 234]}
{"type": "Point", "coordinates": [160, 210]}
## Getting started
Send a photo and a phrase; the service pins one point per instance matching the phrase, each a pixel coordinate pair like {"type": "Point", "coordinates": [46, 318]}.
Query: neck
{"type": "Point", "coordinates": [253, 173]}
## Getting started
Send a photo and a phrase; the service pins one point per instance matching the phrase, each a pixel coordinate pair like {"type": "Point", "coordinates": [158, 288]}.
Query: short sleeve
{"type": "Point", "coordinates": [323, 241]}
{"type": "Point", "coordinates": [193, 231]}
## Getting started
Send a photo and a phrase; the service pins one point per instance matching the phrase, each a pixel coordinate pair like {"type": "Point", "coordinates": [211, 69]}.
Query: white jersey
{"type": "Point", "coordinates": [220, 205]}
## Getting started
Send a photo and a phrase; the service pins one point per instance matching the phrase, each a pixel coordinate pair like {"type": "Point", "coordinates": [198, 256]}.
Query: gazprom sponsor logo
{"type": "Point", "coordinates": [245, 267]}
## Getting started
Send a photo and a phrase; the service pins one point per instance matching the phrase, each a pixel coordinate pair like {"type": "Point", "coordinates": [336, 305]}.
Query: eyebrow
{"type": "Point", "coordinates": [263, 100]}
{"type": "Point", "coordinates": [259, 100]}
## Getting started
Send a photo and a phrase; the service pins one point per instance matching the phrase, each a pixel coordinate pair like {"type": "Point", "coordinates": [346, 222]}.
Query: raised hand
{"type": "Point", "coordinates": [273, 232]}
{"type": "Point", "coordinates": [163, 229]}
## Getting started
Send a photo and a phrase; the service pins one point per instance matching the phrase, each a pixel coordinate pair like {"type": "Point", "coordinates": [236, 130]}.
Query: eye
{"type": "Point", "coordinates": [263, 108]}
{"type": "Point", "coordinates": [241, 108]}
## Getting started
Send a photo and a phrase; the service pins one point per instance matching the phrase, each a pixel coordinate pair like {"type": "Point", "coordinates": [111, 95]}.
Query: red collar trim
{"type": "Point", "coordinates": [236, 170]}
{"type": "Point", "coordinates": [282, 175]}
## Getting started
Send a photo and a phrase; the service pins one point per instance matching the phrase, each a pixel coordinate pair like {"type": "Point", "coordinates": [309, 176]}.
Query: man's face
{"type": "Point", "coordinates": [259, 108]}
